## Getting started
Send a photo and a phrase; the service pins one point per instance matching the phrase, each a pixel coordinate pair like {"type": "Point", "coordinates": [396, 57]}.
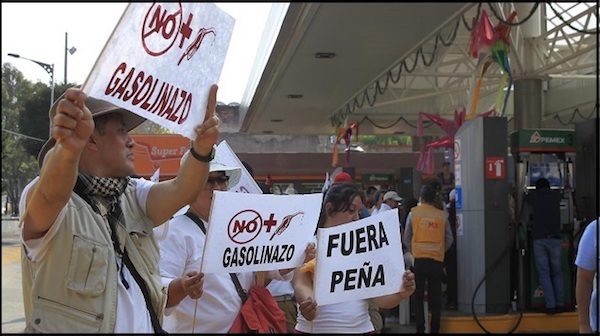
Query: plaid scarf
{"type": "Point", "coordinates": [106, 191]}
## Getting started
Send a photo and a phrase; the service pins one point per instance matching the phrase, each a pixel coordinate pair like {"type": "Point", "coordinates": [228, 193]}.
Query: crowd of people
{"type": "Point", "coordinates": [103, 251]}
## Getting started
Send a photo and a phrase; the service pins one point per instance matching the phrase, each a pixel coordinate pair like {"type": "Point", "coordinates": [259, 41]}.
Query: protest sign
{"type": "Point", "coordinates": [359, 260]}
{"type": "Point", "coordinates": [161, 60]}
{"type": "Point", "coordinates": [246, 183]}
{"type": "Point", "coordinates": [250, 232]}
{"type": "Point", "coordinates": [156, 176]}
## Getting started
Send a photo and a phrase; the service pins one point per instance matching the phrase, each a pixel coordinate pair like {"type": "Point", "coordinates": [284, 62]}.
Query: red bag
{"type": "Point", "coordinates": [259, 314]}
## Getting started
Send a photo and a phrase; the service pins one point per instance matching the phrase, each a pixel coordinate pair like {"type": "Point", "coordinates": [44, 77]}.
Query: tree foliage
{"type": "Point", "coordinates": [18, 166]}
{"type": "Point", "coordinates": [33, 117]}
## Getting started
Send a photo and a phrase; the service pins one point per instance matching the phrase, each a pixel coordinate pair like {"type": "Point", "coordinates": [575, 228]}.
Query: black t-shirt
{"type": "Point", "coordinates": [545, 206]}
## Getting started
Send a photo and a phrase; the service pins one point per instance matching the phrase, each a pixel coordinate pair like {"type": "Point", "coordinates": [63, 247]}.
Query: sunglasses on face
{"type": "Point", "coordinates": [217, 180]}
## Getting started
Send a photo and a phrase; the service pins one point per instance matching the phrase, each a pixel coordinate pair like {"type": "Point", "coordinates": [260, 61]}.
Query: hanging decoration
{"type": "Point", "coordinates": [450, 127]}
{"type": "Point", "coordinates": [491, 44]}
{"type": "Point", "coordinates": [425, 162]}
{"type": "Point", "coordinates": [346, 135]}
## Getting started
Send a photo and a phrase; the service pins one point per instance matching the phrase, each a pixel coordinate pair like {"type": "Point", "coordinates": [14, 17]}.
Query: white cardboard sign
{"type": "Point", "coordinates": [246, 184]}
{"type": "Point", "coordinates": [250, 232]}
{"type": "Point", "coordinates": [161, 60]}
{"type": "Point", "coordinates": [359, 260]}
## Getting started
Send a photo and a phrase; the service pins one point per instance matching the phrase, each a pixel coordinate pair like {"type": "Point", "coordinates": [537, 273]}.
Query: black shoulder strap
{"type": "Point", "coordinates": [79, 190]}
{"type": "Point", "coordinates": [238, 286]}
{"type": "Point", "coordinates": [196, 220]}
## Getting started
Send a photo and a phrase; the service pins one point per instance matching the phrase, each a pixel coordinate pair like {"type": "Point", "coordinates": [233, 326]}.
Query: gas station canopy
{"type": "Point", "coordinates": [380, 64]}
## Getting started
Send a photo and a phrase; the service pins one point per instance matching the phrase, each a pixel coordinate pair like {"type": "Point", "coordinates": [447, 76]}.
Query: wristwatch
{"type": "Point", "coordinates": [201, 158]}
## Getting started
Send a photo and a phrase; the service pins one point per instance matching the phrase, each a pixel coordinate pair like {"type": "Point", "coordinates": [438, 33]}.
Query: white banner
{"type": "Point", "coordinates": [359, 260]}
{"type": "Point", "coordinates": [250, 232]}
{"type": "Point", "coordinates": [247, 184]}
{"type": "Point", "coordinates": [156, 176]}
{"type": "Point", "coordinates": [161, 60]}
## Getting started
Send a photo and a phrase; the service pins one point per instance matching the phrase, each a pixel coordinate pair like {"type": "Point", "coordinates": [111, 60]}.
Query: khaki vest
{"type": "Point", "coordinates": [73, 288]}
{"type": "Point", "coordinates": [429, 230]}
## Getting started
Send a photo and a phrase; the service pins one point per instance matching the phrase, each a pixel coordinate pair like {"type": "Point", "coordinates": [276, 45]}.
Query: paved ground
{"type": "Point", "coordinates": [13, 320]}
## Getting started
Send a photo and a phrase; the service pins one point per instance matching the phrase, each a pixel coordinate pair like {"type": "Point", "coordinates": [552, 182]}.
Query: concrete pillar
{"type": "Point", "coordinates": [528, 100]}
{"type": "Point", "coordinates": [528, 97]}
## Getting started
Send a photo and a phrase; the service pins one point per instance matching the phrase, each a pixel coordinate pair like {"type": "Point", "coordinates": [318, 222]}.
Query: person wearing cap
{"type": "Point", "coordinates": [391, 200]}
{"type": "Point", "coordinates": [378, 201]}
{"type": "Point", "coordinates": [213, 306]}
{"type": "Point", "coordinates": [427, 238]}
{"type": "Point", "coordinates": [90, 261]}
{"type": "Point", "coordinates": [343, 177]}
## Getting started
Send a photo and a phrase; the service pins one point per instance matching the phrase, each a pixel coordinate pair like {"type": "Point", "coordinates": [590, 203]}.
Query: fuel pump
{"type": "Point", "coordinates": [547, 153]}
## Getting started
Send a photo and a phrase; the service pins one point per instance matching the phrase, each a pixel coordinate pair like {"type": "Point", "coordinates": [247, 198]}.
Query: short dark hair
{"type": "Point", "coordinates": [428, 193]}
{"type": "Point", "coordinates": [436, 185]}
{"type": "Point", "coordinates": [542, 183]}
{"type": "Point", "coordinates": [371, 189]}
{"type": "Point", "coordinates": [101, 121]}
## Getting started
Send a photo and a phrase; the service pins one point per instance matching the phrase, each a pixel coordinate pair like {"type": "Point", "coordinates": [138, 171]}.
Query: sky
{"type": "Point", "coordinates": [37, 31]}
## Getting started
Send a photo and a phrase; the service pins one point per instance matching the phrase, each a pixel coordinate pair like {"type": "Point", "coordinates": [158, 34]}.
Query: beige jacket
{"type": "Point", "coordinates": [73, 288]}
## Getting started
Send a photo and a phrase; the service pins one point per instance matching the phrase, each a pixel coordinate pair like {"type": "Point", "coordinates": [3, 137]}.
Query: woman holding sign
{"type": "Point", "coordinates": [341, 205]}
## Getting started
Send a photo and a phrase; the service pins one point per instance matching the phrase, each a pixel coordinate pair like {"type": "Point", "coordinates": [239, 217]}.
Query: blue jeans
{"type": "Point", "coordinates": [548, 262]}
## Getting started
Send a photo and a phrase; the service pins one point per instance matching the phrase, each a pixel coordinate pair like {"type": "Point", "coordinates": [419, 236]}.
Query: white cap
{"type": "Point", "coordinates": [392, 195]}
{"type": "Point", "coordinates": [234, 173]}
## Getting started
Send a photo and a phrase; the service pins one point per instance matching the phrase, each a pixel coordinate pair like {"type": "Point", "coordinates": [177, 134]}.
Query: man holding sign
{"type": "Point", "coordinates": [90, 258]}
{"type": "Point", "coordinates": [340, 311]}
{"type": "Point", "coordinates": [203, 303]}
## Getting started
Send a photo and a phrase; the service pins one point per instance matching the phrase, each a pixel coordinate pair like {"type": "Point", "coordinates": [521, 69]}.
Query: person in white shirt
{"type": "Point", "coordinates": [341, 205]}
{"type": "Point", "coordinates": [86, 226]}
{"type": "Point", "coordinates": [390, 201]}
{"type": "Point", "coordinates": [197, 302]}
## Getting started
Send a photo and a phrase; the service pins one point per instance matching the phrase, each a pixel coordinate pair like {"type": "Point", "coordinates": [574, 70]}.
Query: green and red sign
{"type": "Point", "coordinates": [542, 140]}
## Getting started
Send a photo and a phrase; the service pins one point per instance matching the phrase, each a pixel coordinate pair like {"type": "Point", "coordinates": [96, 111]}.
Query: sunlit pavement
{"type": "Point", "coordinates": [13, 320]}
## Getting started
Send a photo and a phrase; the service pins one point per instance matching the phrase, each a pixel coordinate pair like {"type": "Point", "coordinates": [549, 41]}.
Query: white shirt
{"type": "Point", "coordinates": [181, 246]}
{"type": "Point", "coordinates": [375, 210]}
{"type": "Point", "coordinates": [384, 207]}
{"type": "Point", "coordinates": [343, 317]}
{"type": "Point", "coordinates": [130, 317]}
{"type": "Point", "coordinates": [280, 287]}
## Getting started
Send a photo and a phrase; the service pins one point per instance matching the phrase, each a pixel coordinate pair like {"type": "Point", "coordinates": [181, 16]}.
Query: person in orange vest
{"type": "Point", "coordinates": [427, 236]}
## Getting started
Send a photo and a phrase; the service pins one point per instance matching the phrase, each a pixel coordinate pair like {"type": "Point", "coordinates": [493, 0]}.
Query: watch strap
{"type": "Point", "coordinates": [202, 158]}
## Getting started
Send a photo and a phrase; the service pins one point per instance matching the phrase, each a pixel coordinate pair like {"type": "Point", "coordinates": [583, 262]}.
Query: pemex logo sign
{"type": "Point", "coordinates": [536, 138]}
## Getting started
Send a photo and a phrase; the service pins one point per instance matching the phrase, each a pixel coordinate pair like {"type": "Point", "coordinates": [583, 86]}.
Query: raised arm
{"type": "Point", "coordinates": [72, 127]}
{"type": "Point", "coordinates": [165, 198]}
{"type": "Point", "coordinates": [303, 291]}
